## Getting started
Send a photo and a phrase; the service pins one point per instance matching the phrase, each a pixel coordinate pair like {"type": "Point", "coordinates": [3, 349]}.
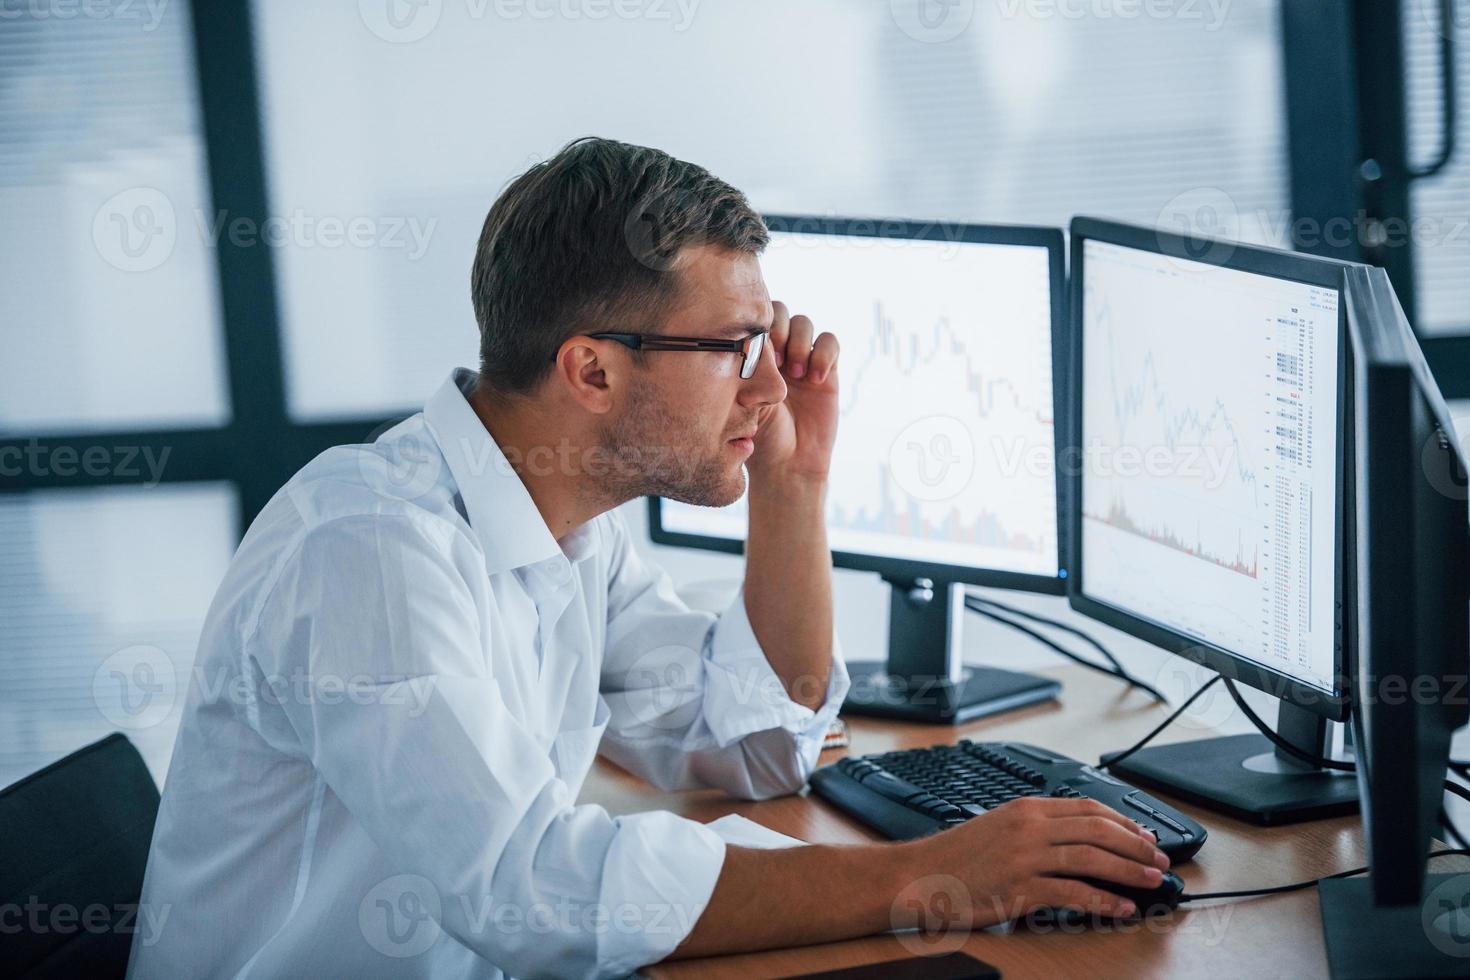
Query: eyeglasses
{"type": "Point", "coordinates": [749, 347]}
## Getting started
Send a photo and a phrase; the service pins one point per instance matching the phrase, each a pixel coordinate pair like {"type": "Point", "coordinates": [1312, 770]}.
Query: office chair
{"type": "Point", "coordinates": [71, 862]}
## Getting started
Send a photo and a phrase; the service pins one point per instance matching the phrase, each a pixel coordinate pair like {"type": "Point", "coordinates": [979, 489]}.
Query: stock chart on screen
{"type": "Point", "coordinates": [945, 446]}
{"type": "Point", "coordinates": [1209, 447]}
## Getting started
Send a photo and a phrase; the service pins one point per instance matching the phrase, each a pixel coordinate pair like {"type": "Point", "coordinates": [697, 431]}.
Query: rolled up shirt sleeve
{"type": "Point", "coordinates": [451, 786]}
{"type": "Point", "coordinates": [694, 701]}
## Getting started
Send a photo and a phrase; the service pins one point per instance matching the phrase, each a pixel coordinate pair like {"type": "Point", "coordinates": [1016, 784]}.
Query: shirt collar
{"type": "Point", "coordinates": [498, 506]}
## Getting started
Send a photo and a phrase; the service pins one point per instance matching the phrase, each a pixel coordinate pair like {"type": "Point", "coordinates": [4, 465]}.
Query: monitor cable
{"type": "Point", "coordinates": [1444, 818]}
{"type": "Point", "coordinates": [1113, 758]}
{"type": "Point", "coordinates": [1002, 613]}
{"type": "Point", "coordinates": [1450, 786]}
{"type": "Point", "coordinates": [1299, 754]}
{"type": "Point", "coordinates": [984, 608]}
{"type": "Point", "coordinates": [1356, 720]}
{"type": "Point", "coordinates": [1054, 623]}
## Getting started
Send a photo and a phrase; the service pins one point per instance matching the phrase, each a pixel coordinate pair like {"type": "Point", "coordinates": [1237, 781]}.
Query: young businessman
{"type": "Point", "coordinates": [422, 643]}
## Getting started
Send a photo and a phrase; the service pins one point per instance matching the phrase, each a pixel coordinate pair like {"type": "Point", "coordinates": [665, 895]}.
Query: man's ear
{"type": "Point", "coordinates": [588, 378]}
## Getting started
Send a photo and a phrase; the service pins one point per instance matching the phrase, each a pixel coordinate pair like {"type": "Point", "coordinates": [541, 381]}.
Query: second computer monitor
{"type": "Point", "coordinates": [1211, 469]}
{"type": "Point", "coordinates": [944, 461]}
{"type": "Point", "coordinates": [1211, 416]}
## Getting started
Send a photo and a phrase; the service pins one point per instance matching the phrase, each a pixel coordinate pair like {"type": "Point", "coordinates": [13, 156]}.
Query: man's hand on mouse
{"type": "Point", "coordinates": [1027, 854]}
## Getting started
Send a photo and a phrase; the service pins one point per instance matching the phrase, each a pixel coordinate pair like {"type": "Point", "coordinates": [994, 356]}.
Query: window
{"type": "Point", "coordinates": [382, 142]}
{"type": "Point", "coordinates": [112, 373]}
{"type": "Point", "coordinates": [1027, 113]}
{"type": "Point", "coordinates": [105, 591]}
{"type": "Point", "coordinates": [1440, 205]}
{"type": "Point", "coordinates": [111, 314]}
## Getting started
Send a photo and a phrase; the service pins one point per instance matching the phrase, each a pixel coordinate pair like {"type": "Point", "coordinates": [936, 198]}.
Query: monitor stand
{"type": "Point", "coordinates": [1430, 938]}
{"type": "Point", "coordinates": [1248, 777]}
{"type": "Point", "coordinates": [925, 678]}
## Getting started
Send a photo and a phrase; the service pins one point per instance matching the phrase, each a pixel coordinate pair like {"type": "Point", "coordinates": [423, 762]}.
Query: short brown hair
{"type": "Point", "coordinates": [588, 240]}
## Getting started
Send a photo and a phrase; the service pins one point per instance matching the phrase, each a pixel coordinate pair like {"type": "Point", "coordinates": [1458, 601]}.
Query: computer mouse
{"type": "Point", "coordinates": [1150, 901]}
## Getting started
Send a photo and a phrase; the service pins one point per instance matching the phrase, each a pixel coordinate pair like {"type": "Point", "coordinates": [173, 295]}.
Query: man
{"type": "Point", "coordinates": [423, 642]}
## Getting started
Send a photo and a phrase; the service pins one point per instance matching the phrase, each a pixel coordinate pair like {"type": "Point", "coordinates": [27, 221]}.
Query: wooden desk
{"type": "Point", "coordinates": [1277, 936]}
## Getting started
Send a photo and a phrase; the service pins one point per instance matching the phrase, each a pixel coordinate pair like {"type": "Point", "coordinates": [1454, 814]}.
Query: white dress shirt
{"type": "Point", "coordinates": [399, 690]}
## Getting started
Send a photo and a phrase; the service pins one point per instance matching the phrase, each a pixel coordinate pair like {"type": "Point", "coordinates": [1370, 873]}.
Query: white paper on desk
{"type": "Point", "coordinates": [735, 829]}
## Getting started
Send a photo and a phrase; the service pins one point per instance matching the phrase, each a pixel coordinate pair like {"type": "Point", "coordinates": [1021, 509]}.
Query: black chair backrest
{"type": "Point", "coordinates": [73, 845]}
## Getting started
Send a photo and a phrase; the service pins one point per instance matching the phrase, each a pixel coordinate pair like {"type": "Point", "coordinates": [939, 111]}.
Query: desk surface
{"type": "Point", "coordinates": [1277, 936]}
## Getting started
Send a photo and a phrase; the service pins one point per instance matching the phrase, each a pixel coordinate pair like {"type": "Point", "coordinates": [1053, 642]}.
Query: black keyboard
{"type": "Point", "coordinates": [919, 791]}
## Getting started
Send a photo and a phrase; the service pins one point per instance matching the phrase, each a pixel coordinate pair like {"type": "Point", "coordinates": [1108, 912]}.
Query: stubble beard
{"type": "Point", "coordinates": [650, 462]}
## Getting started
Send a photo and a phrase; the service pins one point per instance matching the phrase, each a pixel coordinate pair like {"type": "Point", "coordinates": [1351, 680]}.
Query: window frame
{"type": "Point", "coordinates": [1346, 109]}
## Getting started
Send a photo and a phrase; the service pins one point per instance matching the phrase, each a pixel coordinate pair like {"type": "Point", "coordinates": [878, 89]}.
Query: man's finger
{"type": "Point", "coordinates": [799, 346]}
{"type": "Point", "coordinates": [1086, 861]}
{"type": "Point", "coordinates": [1056, 808]}
{"type": "Point", "coordinates": [1108, 834]}
{"type": "Point", "coordinates": [824, 358]}
{"type": "Point", "coordinates": [1072, 894]}
{"type": "Point", "coordinates": [780, 329]}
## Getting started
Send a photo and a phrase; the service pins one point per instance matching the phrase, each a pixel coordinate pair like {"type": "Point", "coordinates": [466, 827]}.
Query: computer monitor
{"type": "Point", "coordinates": [943, 473]}
{"type": "Point", "coordinates": [1414, 651]}
{"type": "Point", "coordinates": [1209, 401]}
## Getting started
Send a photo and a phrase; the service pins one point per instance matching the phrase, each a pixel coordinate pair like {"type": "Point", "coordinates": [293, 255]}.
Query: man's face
{"type": "Point", "coordinates": [682, 428]}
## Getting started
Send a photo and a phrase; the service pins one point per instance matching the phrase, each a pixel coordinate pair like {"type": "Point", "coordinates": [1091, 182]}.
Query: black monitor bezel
{"type": "Point", "coordinates": [1278, 264]}
{"type": "Point", "coordinates": [1414, 549]}
{"type": "Point", "coordinates": [904, 569]}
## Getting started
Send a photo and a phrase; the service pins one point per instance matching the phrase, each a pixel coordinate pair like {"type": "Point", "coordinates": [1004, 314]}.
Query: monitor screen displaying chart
{"type": "Point", "coordinates": [945, 448]}
{"type": "Point", "coordinates": [1209, 446]}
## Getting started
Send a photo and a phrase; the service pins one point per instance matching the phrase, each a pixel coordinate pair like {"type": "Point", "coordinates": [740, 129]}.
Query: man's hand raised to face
{"type": "Point", "coordinates": [796, 436]}
{"type": "Point", "coordinates": [788, 566]}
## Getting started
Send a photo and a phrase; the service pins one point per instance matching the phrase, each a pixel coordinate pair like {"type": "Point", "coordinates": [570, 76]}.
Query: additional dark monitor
{"type": "Point", "coordinates": [944, 470]}
{"type": "Point", "coordinates": [1209, 396]}
{"type": "Point", "coordinates": [1414, 652]}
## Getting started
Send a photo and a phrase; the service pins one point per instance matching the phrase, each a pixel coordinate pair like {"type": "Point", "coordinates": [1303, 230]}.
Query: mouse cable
{"type": "Point", "coordinates": [1121, 675]}
{"type": "Point", "coordinates": [1298, 886]}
